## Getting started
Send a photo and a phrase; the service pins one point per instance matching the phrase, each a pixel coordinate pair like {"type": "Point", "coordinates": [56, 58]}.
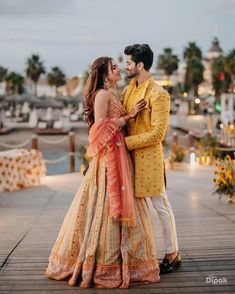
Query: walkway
{"type": "Point", "coordinates": [30, 220]}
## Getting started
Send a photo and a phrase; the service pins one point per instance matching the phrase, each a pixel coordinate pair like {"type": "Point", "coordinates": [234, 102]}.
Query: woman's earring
{"type": "Point", "coordinates": [106, 84]}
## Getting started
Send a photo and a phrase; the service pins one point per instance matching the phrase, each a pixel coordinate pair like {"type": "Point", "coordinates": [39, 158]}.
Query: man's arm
{"type": "Point", "coordinates": [160, 107]}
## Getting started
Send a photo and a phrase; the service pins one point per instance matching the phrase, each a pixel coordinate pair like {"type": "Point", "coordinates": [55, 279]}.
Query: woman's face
{"type": "Point", "coordinates": [114, 73]}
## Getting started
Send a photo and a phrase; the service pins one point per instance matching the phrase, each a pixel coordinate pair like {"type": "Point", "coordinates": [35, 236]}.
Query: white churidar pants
{"type": "Point", "coordinates": [162, 205]}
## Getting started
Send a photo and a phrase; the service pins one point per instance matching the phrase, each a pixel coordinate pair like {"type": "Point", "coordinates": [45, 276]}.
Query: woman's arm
{"type": "Point", "coordinates": [139, 106]}
{"type": "Point", "coordinates": [101, 105]}
{"type": "Point", "coordinates": [101, 108]}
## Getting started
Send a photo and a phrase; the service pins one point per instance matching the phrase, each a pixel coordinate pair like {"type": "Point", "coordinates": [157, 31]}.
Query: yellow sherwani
{"type": "Point", "coordinates": [145, 134]}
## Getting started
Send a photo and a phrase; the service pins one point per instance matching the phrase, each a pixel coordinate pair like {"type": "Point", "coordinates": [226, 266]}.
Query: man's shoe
{"type": "Point", "coordinates": [167, 267]}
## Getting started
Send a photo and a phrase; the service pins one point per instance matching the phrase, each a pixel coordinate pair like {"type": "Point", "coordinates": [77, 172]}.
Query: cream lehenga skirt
{"type": "Point", "coordinates": [93, 250]}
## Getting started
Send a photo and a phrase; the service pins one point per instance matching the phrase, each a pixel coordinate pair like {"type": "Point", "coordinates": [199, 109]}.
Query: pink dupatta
{"type": "Point", "coordinates": [106, 134]}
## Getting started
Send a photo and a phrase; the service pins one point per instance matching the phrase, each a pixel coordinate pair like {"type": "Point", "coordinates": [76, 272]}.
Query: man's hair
{"type": "Point", "coordinates": [140, 53]}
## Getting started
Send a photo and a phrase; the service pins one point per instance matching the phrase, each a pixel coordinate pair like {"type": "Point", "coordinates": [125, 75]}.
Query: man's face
{"type": "Point", "coordinates": [131, 67]}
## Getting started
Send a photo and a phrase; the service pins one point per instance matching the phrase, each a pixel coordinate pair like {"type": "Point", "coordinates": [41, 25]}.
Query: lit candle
{"type": "Point", "coordinates": [208, 160]}
{"type": "Point", "coordinates": [192, 159]}
{"type": "Point", "coordinates": [202, 159]}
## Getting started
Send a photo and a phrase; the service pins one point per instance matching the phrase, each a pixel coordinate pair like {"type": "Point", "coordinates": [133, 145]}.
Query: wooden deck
{"type": "Point", "coordinates": [30, 220]}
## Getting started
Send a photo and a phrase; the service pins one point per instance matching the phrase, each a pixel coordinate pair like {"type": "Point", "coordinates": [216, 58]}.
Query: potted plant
{"type": "Point", "coordinates": [207, 149]}
{"type": "Point", "coordinates": [177, 154]}
{"type": "Point", "coordinates": [224, 179]}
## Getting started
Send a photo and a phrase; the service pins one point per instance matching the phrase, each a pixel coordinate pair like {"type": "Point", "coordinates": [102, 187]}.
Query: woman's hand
{"type": "Point", "coordinates": [137, 108]}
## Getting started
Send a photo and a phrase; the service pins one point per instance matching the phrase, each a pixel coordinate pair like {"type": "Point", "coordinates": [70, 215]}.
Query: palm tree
{"type": "Point", "coordinates": [194, 74]}
{"type": "Point", "coordinates": [194, 67]}
{"type": "Point", "coordinates": [34, 70]}
{"type": "Point", "coordinates": [14, 83]}
{"type": "Point", "coordinates": [168, 62]}
{"type": "Point", "coordinates": [120, 58]}
{"type": "Point", "coordinates": [220, 77]}
{"type": "Point", "coordinates": [192, 51]}
{"type": "Point", "coordinates": [3, 72]}
{"type": "Point", "coordinates": [230, 65]}
{"type": "Point", "coordinates": [56, 77]}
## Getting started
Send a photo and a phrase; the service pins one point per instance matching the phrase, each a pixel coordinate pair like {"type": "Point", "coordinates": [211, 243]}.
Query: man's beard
{"type": "Point", "coordinates": [132, 74]}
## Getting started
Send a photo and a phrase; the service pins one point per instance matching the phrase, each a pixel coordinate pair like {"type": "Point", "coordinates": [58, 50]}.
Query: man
{"type": "Point", "coordinates": [144, 139]}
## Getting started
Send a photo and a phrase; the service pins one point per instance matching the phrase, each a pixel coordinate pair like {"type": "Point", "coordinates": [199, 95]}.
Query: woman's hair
{"type": "Point", "coordinates": [95, 82]}
{"type": "Point", "coordinates": [140, 53]}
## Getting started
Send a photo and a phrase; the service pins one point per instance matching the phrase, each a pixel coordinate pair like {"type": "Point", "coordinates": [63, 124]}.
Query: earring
{"type": "Point", "coordinates": [106, 84]}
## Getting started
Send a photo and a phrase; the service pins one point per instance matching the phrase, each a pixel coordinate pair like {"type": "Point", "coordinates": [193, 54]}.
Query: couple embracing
{"type": "Point", "coordinates": [107, 239]}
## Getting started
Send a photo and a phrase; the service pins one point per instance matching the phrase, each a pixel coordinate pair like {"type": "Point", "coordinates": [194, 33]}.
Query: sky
{"type": "Point", "coordinates": [72, 33]}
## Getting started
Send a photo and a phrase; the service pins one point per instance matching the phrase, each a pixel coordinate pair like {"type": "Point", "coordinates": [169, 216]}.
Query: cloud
{"type": "Point", "coordinates": [33, 7]}
{"type": "Point", "coordinates": [228, 5]}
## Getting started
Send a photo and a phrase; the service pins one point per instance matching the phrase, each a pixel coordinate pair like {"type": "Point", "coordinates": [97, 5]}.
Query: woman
{"type": "Point", "coordinates": [106, 239]}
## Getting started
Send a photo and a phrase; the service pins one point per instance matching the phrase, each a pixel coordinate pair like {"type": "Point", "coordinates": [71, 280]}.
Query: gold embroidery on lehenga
{"type": "Point", "coordinates": [91, 249]}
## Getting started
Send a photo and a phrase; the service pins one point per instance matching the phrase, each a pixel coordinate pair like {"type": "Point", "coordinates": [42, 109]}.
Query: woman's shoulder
{"type": "Point", "coordinates": [102, 93]}
{"type": "Point", "coordinates": [102, 96]}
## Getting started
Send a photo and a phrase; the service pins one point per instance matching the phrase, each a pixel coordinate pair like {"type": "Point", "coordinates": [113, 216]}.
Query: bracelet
{"type": "Point", "coordinates": [121, 121]}
{"type": "Point", "coordinates": [127, 117]}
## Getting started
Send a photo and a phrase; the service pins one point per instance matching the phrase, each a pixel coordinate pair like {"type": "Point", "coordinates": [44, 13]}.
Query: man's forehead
{"type": "Point", "coordinates": [129, 58]}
